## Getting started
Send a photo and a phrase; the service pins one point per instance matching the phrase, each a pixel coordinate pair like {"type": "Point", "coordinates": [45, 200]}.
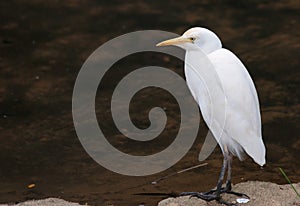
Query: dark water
{"type": "Point", "coordinates": [44, 44]}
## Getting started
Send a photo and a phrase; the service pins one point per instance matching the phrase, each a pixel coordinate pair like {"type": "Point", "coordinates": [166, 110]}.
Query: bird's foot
{"type": "Point", "coordinates": [207, 197]}
{"type": "Point", "coordinates": [227, 191]}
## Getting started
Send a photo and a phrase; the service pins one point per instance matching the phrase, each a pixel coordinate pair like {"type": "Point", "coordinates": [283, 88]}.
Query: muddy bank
{"type": "Point", "coordinates": [45, 202]}
{"type": "Point", "coordinates": [260, 193]}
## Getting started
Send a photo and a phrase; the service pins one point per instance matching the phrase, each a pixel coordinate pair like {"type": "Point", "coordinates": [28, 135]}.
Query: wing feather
{"type": "Point", "coordinates": [242, 127]}
{"type": "Point", "coordinates": [243, 120]}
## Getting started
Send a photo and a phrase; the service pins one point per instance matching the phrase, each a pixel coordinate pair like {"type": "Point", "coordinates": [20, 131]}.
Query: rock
{"type": "Point", "coordinates": [260, 193]}
{"type": "Point", "coordinates": [44, 202]}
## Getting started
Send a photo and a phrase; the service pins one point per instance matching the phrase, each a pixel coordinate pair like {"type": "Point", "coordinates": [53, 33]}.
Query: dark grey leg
{"type": "Point", "coordinates": [213, 194]}
{"type": "Point", "coordinates": [228, 187]}
{"type": "Point", "coordinates": [222, 174]}
{"type": "Point", "coordinates": [226, 164]}
{"type": "Point", "coordinates": [228, 181]}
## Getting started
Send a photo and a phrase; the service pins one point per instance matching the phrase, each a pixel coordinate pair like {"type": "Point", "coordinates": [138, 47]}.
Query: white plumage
{"type": "Point", "coordinates": [241, 129]}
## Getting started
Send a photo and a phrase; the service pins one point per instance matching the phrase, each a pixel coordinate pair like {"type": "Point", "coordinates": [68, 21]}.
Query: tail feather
{"type": "Point", "coordinates": [255, 148]}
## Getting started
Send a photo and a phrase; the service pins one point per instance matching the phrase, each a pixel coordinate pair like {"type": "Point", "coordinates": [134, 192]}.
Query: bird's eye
{"type": "Point", "coordinates": [192, 38]}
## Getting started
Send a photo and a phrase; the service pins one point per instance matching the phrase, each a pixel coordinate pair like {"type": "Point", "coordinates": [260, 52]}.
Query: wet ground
{"type": "Point", "coordinates": [43, 46]}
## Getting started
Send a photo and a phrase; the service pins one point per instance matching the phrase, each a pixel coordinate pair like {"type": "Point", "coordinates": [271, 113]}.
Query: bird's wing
{"type": "Point", "coordinates": [243, 121]}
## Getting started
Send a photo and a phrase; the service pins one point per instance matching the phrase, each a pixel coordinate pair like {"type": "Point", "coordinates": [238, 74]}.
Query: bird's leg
{"type": "Point", "coordinates": [228, 186]}
{"type": "Point", "coordinates": [228, 181]}
{"type": "Point", "coordinates": [220, 189]}
{"type": "Point", "coordinates": [213, 195]}
{"type": "Point", "coordinates": [222, 174]}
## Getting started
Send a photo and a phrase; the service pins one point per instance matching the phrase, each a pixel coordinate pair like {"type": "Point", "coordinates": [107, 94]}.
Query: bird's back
{"type": "Point", "coordinates": [231, 103]}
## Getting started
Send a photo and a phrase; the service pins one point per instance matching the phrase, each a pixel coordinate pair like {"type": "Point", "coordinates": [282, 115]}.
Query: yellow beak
{"type": "Point", "coordinates": [174, 41]}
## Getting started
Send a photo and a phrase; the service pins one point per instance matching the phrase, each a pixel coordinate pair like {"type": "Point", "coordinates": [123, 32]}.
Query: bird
{"type": "Point", "coordinates": [236, 108]}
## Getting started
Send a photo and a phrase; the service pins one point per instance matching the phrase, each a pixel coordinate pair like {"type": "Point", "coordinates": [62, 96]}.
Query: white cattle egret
{"type": "Point", "coordinates": [241, 130]}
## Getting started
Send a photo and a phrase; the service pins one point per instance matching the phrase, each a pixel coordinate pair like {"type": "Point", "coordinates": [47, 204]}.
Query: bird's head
{"type": "Point", "coordinates": [194, 39]}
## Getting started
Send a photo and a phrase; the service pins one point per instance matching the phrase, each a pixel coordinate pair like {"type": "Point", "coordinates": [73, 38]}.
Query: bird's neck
{"type": "Point", "coordinates": [209, 43]}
